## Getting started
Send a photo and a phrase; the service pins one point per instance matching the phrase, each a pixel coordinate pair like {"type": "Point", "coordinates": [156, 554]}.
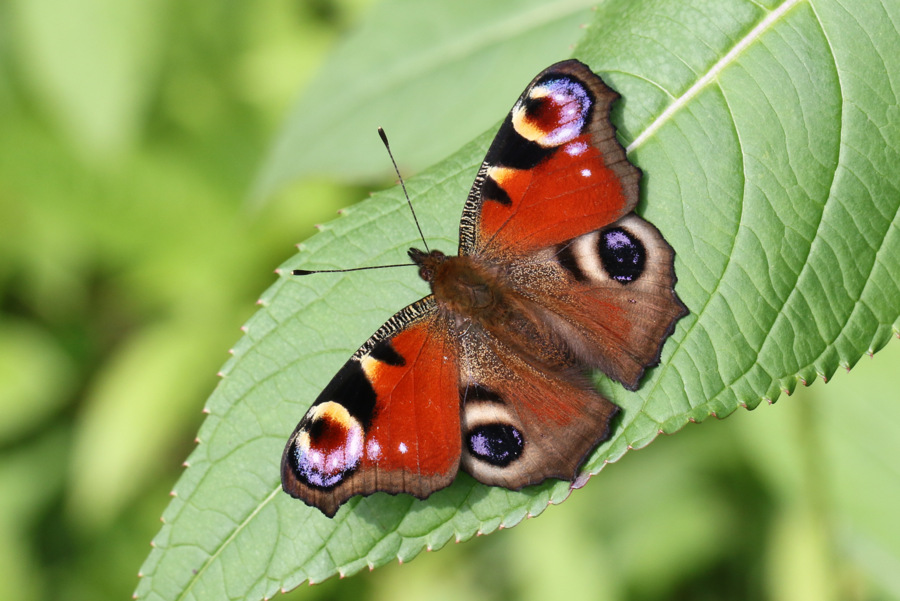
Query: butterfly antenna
{"type": "Point", "coordinates": [312, 271]}
{"type": "Point", "coordinates": [403, 185]}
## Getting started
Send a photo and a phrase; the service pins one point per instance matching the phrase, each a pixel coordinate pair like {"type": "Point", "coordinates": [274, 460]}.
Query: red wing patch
{"type": "Point", "coordinates": [415, 427]}
{"type": "Point", "coordinates": [566, 194]}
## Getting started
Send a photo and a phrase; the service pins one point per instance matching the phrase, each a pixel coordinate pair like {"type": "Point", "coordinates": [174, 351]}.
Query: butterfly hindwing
{"type": "Point", "coordinates": [388, 421]}
{"type": "Point", "coordinates": [609, 294]}
{"type": "Point", "coordinates": [555, 169]}
{"type": "Point", "coordinates": [522, 424]}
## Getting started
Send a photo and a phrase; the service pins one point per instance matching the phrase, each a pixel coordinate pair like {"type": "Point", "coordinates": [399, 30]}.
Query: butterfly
{"type": "Point", "coordinates": [555, 277]}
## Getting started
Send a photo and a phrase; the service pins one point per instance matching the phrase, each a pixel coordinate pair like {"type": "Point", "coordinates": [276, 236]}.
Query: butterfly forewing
{"type": "Point", "coordinates": [388, 421]}
{"type": "Point", "coordinates": [554, 171]}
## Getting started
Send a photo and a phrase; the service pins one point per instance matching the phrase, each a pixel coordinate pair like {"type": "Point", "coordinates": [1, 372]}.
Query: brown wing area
{"type": "Point", "coordinates": [522, 424]}
{"type": "Point", "coordinates": [609, 295]}
{"type": "Point", "coordinates": [388, 421]}
{"type": "Point", "coordinates": [604, 300]}
{"type": "Point", "coordinates": [554, 171]}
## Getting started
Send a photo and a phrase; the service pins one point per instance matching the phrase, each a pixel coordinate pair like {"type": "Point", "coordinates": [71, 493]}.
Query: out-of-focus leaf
{"type": "Point", "coordinates": [30, 478]}
{"type": "Point", "coordinates": [858, 437]}
{"type": "Point", "coordinates": [93, 65]}
{"type": "Point", "coordinates": [132, 418]}
{"type": "Point", "coordinates": [769, 144]}
{"type": "Point", "coordinates": [433, 74]}
{"type": "Point", "coordinates": [835, 479]}
{"type": "Point", "coordinates": [34, 376]}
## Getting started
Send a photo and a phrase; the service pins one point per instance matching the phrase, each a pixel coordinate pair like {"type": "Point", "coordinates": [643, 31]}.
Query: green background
{"type": "Point", "coordinates": [140, 220]}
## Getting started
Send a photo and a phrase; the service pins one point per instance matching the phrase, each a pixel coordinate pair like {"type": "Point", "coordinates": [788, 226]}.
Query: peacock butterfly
{"type": "Point", "coordinates": [555, 277]}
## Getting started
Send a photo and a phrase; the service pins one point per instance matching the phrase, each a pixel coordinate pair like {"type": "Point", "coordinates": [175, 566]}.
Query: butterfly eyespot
{"type": "Point", "coordinates": [622, 254]}
{"type": "Point", "coordinates": [555, 112]}
{"type": "Point", "coordinates": [328, 447]}
{"type": "Point", "coordinates": [497, 444]}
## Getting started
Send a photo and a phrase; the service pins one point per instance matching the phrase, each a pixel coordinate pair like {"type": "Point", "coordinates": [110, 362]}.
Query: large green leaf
{"type": "Point", "coordinates": [767, 133]}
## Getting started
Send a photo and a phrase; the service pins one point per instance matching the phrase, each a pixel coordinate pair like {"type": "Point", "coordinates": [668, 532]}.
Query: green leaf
{"type": "Point", "coordinates": [403, 69]}
{"type": "Point", "coordinates": [93, 64]}
{"type": "Point", "coordinates": [35, 373]}
{"type": "Point", "coordinates": [768, 138]}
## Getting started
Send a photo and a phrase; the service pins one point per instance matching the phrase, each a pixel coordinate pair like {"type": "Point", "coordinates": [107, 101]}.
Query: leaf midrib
{"type": "Point", "coordinates": [763, 26]}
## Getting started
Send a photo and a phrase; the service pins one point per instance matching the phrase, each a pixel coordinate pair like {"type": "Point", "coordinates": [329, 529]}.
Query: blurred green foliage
{"type": "Point", "coordinates": [130, 134]}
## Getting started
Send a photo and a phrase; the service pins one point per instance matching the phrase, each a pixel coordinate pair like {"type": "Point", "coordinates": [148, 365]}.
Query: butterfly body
{"type": "Point", "coordinates": [461, 286]}
{"type": "Point", "coordinates": [491, 372]}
